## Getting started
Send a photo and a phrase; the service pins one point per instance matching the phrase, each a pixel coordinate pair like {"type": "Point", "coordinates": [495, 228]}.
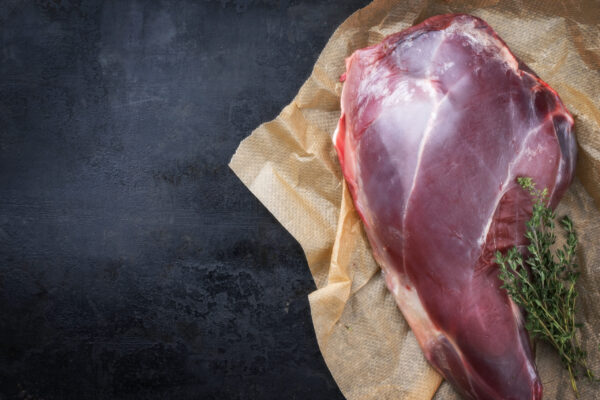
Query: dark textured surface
{"type": "Point", "coordinates": [133, 263]}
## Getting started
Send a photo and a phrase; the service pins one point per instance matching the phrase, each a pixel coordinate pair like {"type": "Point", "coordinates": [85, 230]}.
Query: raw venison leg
{"type": "Point", "coordinates": [437, 123]}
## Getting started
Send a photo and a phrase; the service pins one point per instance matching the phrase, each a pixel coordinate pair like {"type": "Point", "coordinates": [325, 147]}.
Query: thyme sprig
{"type": "Point", "coordinates": [543, 283]}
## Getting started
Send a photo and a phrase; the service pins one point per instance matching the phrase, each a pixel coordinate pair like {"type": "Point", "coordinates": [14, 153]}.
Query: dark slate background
{"type": "Point", "coordinates": [133, 263]}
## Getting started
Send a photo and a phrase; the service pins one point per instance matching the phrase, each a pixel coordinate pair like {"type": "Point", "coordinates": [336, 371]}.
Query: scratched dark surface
{"type": "Point", "coordinates": [133, 263]}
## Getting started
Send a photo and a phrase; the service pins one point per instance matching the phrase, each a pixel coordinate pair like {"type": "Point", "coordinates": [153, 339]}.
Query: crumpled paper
{"type": "Point", "coordinates": [291, 166]}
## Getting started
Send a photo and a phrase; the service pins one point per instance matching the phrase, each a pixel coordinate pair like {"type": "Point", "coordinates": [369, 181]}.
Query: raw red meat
{"type": "Point", "coordinates": [437, 122]}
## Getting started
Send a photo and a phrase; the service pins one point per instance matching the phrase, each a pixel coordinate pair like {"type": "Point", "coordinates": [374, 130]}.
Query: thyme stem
{"type": "Point", "coordinates": [543, 283]}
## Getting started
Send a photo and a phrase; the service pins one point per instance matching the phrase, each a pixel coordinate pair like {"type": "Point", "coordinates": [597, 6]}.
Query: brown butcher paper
{"type": "Point", "coordinates": [291, 166]}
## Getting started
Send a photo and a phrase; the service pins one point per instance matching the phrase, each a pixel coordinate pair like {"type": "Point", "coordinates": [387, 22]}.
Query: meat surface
{"type": "Point", "coordinates": [437, 123]}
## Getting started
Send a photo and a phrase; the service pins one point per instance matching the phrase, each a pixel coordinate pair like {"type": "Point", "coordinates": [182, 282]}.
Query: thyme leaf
{"type": "Point", "coordinates": [543, 283]}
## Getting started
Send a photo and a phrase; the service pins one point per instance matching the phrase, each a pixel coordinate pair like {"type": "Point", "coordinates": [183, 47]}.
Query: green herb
{"type": "Point", "coordinates": [543, 284]}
